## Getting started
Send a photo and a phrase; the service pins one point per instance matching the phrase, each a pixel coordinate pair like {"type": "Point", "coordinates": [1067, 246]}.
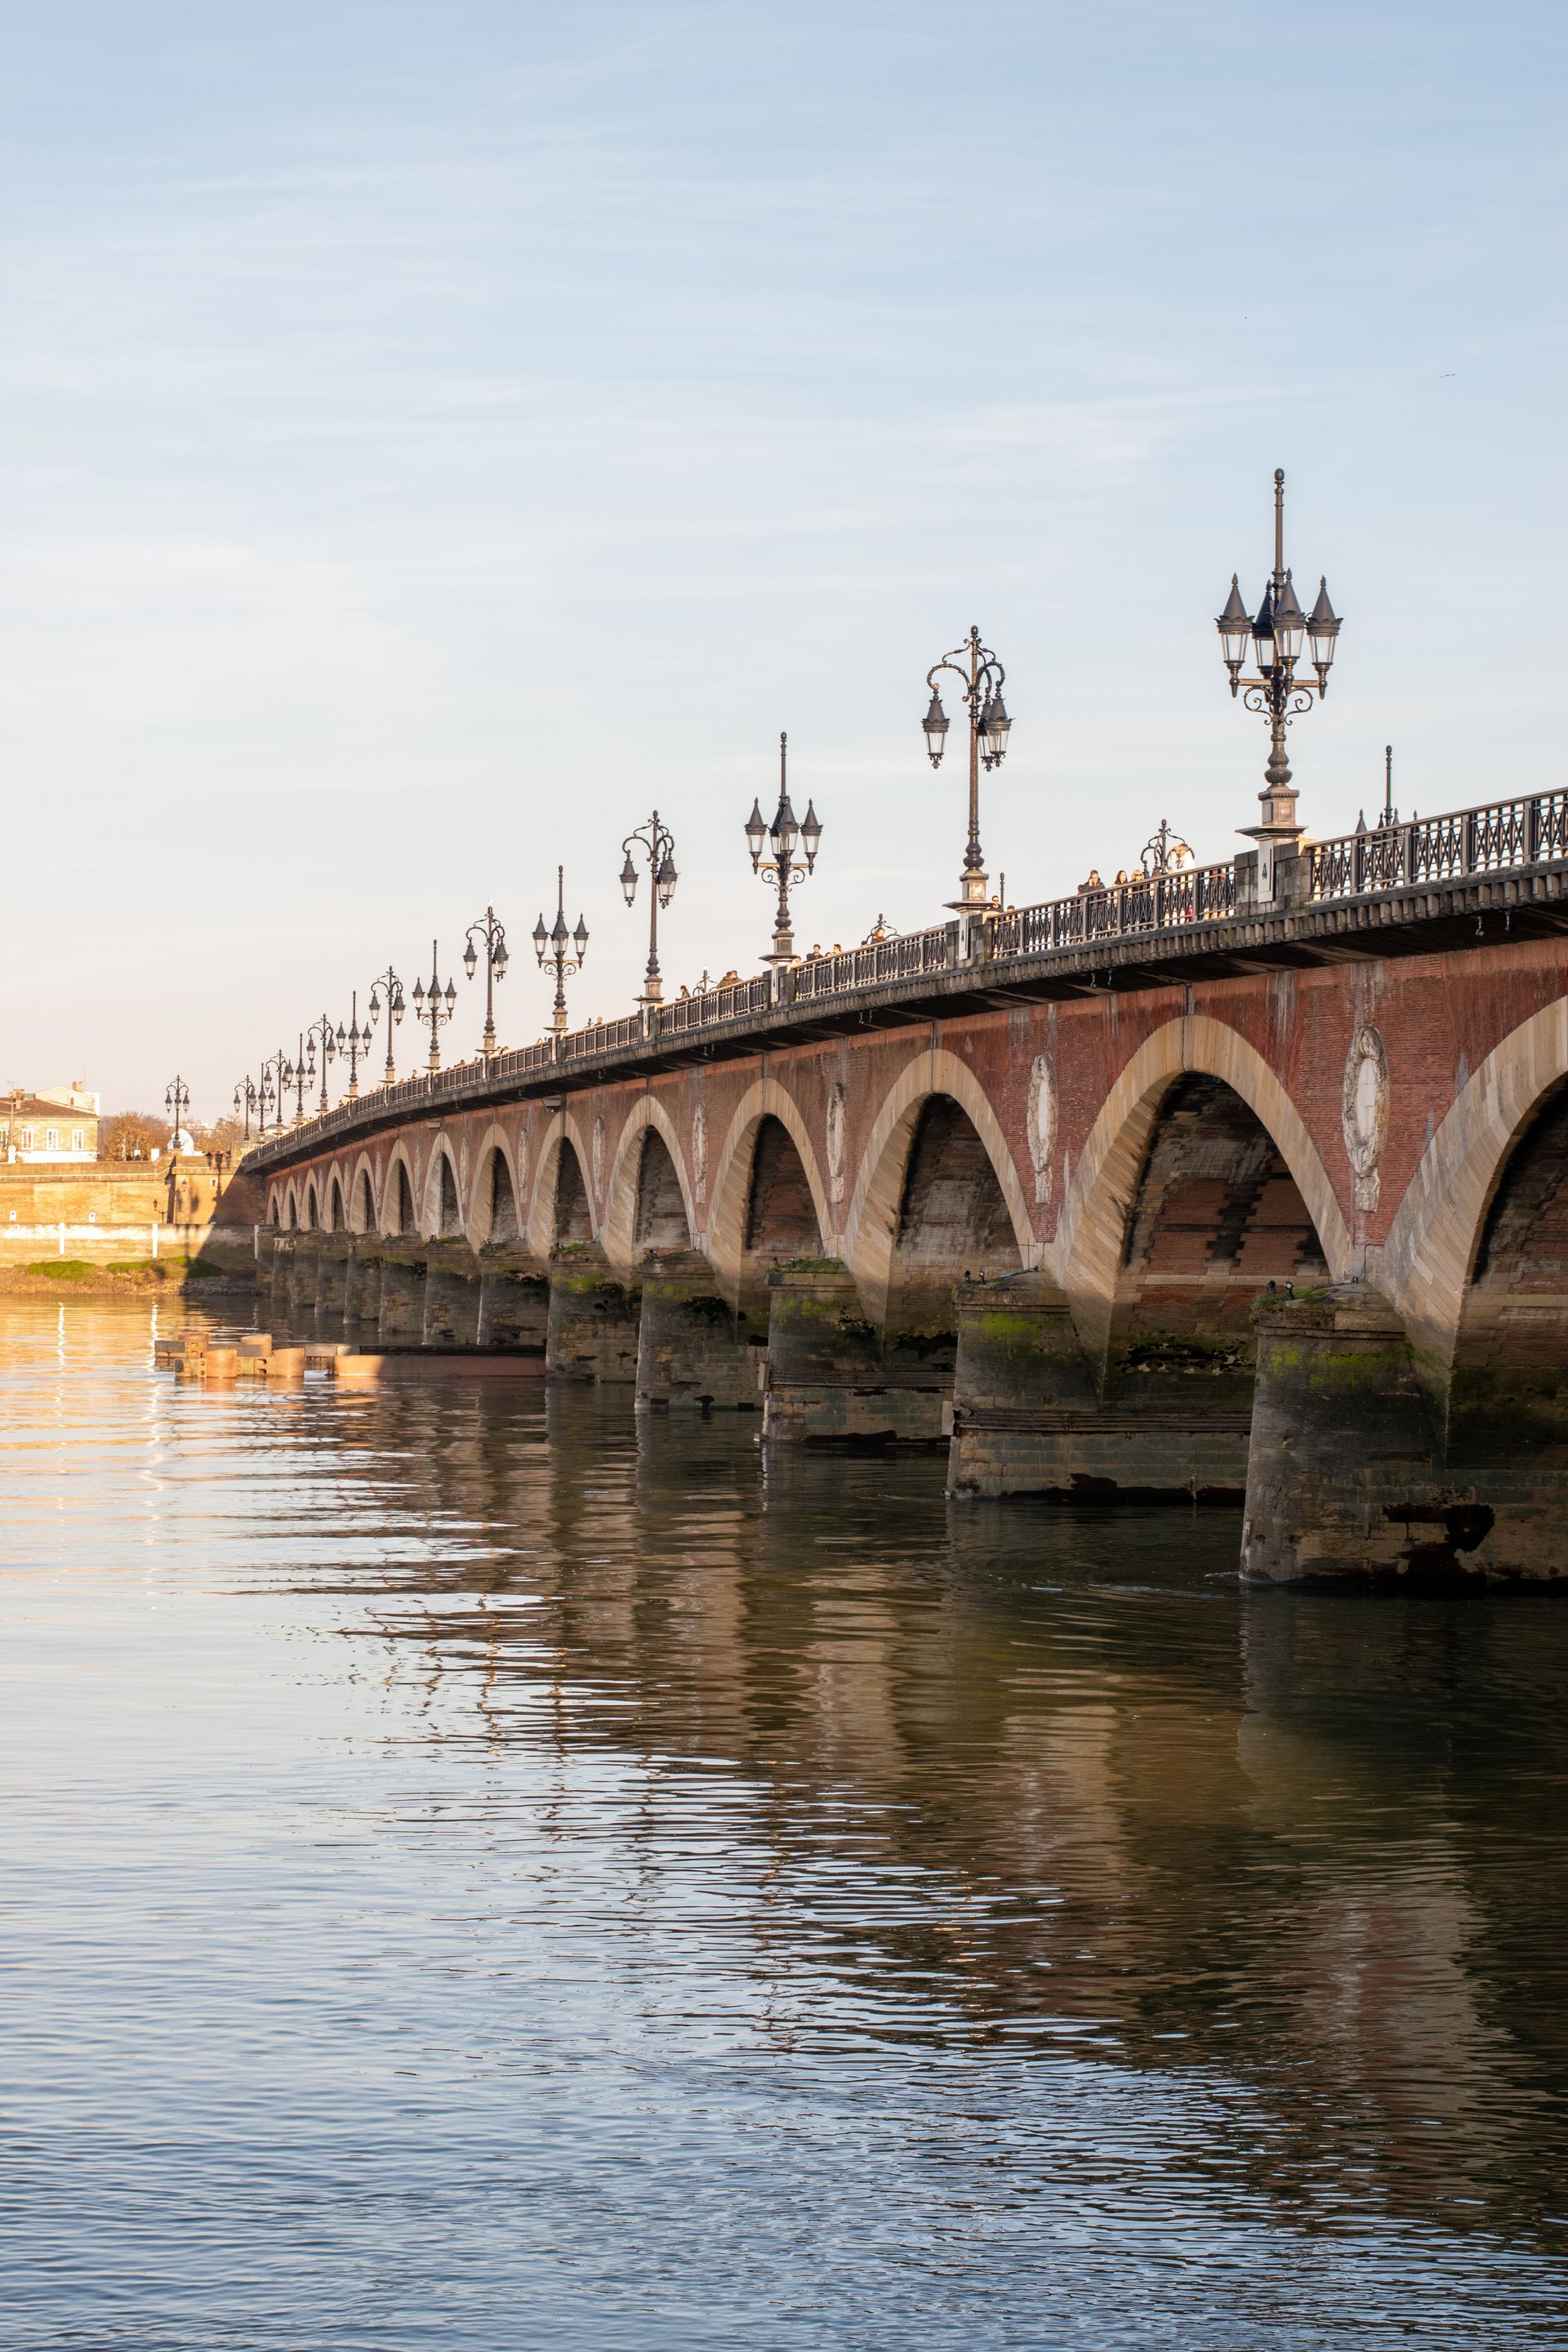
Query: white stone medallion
{"type": "Point", "coordinates": [836, 1140]}
{"type": "Point", "coordinates": [700, 1153]}
{"type": "Point", "coordinates": [1364, 1112]}
{"type": "Point", "coordinates": [1042, 1123]}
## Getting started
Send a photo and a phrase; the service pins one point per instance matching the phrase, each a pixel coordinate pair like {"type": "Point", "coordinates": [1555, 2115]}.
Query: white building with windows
{"type": "Point", "coordinates": [59, 1123]}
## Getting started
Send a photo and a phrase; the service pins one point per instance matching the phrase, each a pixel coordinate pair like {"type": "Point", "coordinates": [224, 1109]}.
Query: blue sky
{"type": "Point", "coordinates": [433, 434]}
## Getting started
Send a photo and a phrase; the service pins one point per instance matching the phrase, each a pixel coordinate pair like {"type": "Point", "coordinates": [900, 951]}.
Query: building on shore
{"type": "Point", "coordinates": [55, 1123]}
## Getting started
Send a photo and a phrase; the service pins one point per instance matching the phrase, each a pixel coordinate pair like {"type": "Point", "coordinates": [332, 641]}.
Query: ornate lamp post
{"type": "Point", "coordinates": [322, 1031]}
{"type": "Point", "coordinates": [354, 1041]}
{"type": "Point", "coordinates": [657, 845]}
{"type": "Point", "coordinates": [980, 675]}
{"type": "Point", "coordinates": [432, 1005]}
{"type": "Point", "coordinates": [783, 838]}
{"type": "Point", "coordinates": [294, 1073]}
{"type": "Point", "coordinates": [550, 947]}
{"type": "Point", "coordinates": [388, 984]}
{"type": "Point", "coordinates": [269, 1092]}
{"type": "Point", "coordinates": [1275, 640]}
{"type": "Point", "coordinates": [176, 1102]}
{"type": "Point", "coordinates": [245, 1102]}
{"type": "Point", "coordinates": [494, 937]}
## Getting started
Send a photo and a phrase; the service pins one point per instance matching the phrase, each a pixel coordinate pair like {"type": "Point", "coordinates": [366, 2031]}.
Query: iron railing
{"type": "Point", "coordinates": [1502, 836]}
{"type": "Point", "coordinates": [1489, 840]}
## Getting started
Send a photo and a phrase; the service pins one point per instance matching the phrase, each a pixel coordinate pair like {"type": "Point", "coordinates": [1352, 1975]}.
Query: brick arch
{"type": "Point", "coordinates": [399, 1159]}
{"type": "Point", "coordinates": [1091, 1234]}
{"type": "Point", "coordinates": [274, 1206]}
{"type": "Point", "coordinates": [871, 1225]}
{"type": "Point", "coordinates": [730, 1192]}
{"type": "Point", "coordinates": [565, 1133]}
{"type": "Point", "coordinates": [361, 1191]}
{"type": "Point", "coordinates": [432, 1221]}
{"type": "Point", "coordinates": [312, 1216]}
{"type": "Point", "coordinates": [618, 1233]}
{"type": "Point", "coordinates": [494, 1147]}
{"type": "Point", "coordinates": [337, 1210]}
{"type": "Point", "coordinates": [1428, 1260]}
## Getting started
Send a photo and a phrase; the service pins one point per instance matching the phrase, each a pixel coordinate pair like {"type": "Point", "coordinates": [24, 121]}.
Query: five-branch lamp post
{"type": "Point", "coordinates": [780, 841]}
{"type": "Point", "coordinates": [294, 1073]}
{"type": "Point", "coordinates": [980, 675]}
{"type": "Point", "coordinates": [321, 1031]}
{"type": "Point", "coordinates": [386, 985]}
{"type": "Point", "coordinates": [432, 1006]}
{"type": "Point", "coordinates": [354, 1041]}
{"type": "Point", "coordinates": [1275, 638]}
{"type": "Point", "coordinates": [493, 934]}
{"type": "Point", "coordinates": [554, 946]}
{"type": "Point", "coordinates": [176, 1102]}
{"type": "Point", "coordinates": [244, 1101]}
{"type": "Point", "coordinates": [656, 843]}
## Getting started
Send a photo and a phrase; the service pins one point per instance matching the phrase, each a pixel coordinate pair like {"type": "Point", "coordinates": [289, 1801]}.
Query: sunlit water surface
{"type": "Point", "coordinates": [478, 1874]}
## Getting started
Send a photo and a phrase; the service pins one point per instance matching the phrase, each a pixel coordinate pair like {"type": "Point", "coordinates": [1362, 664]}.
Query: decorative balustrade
{"type": "Point", "coordinates": [1489, 840]}
{"type": "Point", "coordinates": [1504, 834]}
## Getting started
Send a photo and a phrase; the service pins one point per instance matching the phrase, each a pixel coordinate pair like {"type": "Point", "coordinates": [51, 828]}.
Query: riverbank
{"type": "Point", "coordinates": [50, 1277]}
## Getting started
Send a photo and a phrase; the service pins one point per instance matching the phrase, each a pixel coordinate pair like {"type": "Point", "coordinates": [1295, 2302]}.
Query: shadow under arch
{"type": "Point", "coordinates": [1092, 1235]}
{"type": "Point", "coordinates": [561, 1209]}
{"type": "Point", "coordinates": [734, 1171]}
{"type": "Point", "coordinates": [494, 1212]}
{"type": "Point", "coordinates": [624, 1190]}
{"type": "Point", "coordinates": [362, 1198]}
{"type": "Point", "coordinates": [877, 1206]}
{"type": "Point", "coordinates": [1428, 1263]}
{"type": "Point", "coordinates": [397, 1212]}
{"type": "Point", "coordinates": [441, 1212]}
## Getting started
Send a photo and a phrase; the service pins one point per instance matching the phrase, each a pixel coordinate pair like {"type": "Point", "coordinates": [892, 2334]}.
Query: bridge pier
{"type": "Point", "coordinates": [266, 1266]}
{"type": "Point", "coordinates": [332, 1255]}
{"type": "Point", "coordinates": [829, 1377]}
{"type": "Point", "coordinates": [1368, 1468]}
{"type": "Point", "coordinates": [692, 1348]}
{"type": "Point", "coordinates": [401, 1314]}
{"type": "Point", "coordinates": [514, 1299]}
{"type": "Point", "coordinates": [362, 1289]}
{"type": "Point", "coordinates": [1028, 1417]}
{"type": "Point", "coordinates": [452, 1281]}
{"type": "Point", "coordinates": [592, 1326]}
{"type": "Point", "coordinates": [304, 1273]}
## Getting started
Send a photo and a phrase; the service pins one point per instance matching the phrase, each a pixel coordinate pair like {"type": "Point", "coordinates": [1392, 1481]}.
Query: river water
{"type": "Point", "coordinates": [481, 1874]}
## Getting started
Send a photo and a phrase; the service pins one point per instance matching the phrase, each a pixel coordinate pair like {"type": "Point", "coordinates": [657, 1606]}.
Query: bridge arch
{"type": "Point", "coordinates": [623, 1232]}
{"type": "Point", "coordinates": [362, 1198]}
{"type": "Point", "coordinates": [876, 1221]}
{"type": "Point", "coordinates": [397, 1195]}
{"type": "Point", "coordinates": [441, 1214]}
{"type": "Point", "coordinates": [560, 1205]}
{"type": "Point", "coordinates": [735, 1169]}
{"type": "Point", "coordinates": [274, 1206]}
{"type": "Point", "coordinates": [336, 1219]}
{"type": "Point", "coordinates": [1105, 1190]}
{"type": "Point", "coordinates": [494, 1212]}
{"type": "Point", "coordinates": [1428, 1262]}
{"type": "Point", "coordinates": [311, 1219]}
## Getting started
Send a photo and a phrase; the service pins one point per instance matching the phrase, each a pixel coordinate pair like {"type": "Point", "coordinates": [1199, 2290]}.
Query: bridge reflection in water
{"type": "Point", "coordinates": [507, 1846]}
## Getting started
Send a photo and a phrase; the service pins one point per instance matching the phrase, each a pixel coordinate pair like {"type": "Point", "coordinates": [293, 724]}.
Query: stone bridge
{"type": "Point", "coordinates": [1154, 1193]}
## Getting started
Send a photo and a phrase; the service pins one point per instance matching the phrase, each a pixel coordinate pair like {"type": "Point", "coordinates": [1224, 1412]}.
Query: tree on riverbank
{"type": "Point", "coordinates": [132, 1135]}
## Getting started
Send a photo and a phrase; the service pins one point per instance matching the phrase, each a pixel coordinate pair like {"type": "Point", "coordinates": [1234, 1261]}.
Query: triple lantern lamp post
{"type": "Point", "coordinates": [1274, 637]}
